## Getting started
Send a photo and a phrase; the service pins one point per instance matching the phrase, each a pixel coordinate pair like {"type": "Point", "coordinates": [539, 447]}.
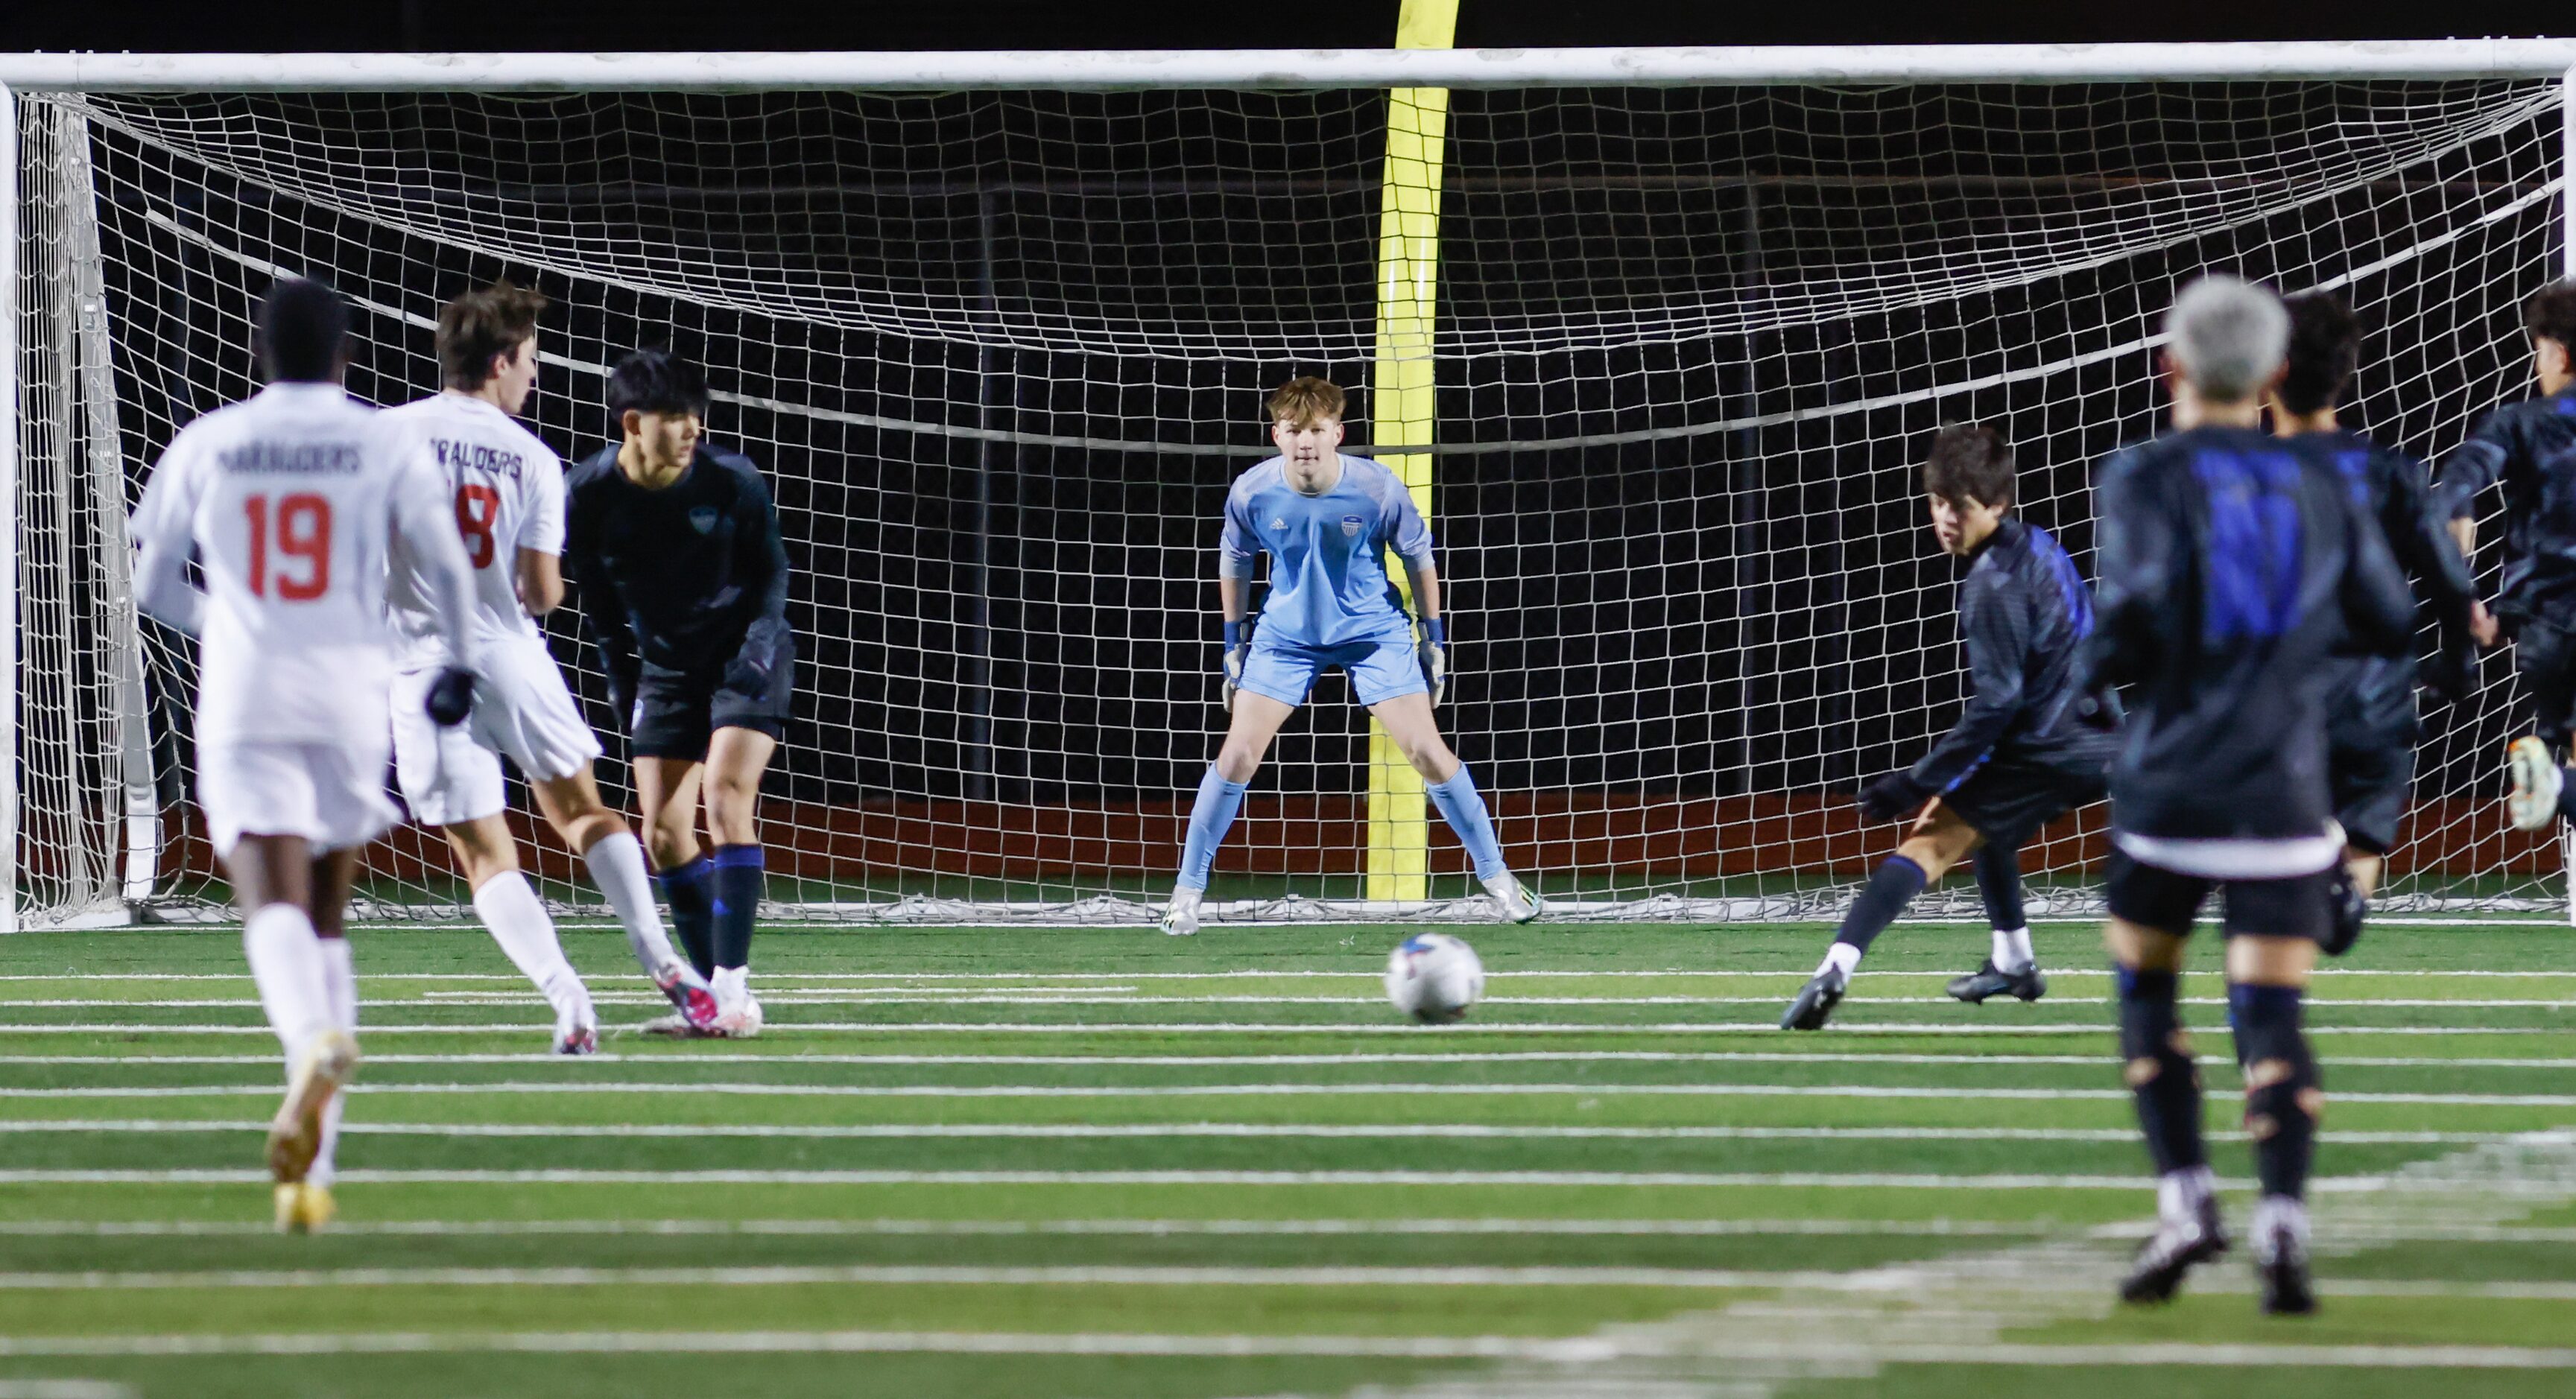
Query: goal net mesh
{"type": "Point", "coordinates": [1000, 354]}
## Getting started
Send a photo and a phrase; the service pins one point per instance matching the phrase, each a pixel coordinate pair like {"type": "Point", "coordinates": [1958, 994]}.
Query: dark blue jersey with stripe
{"type": "Point", "coordinates": [682, 580]}
{"type": "Point", "coordinates": [2393, 488]}
{"type": "Point", "coordinates": [2234, 567]}
{"type": "Point", "coordinates": [2023, 613]}
{"type": "Point", "coordinates": [2529, 449]}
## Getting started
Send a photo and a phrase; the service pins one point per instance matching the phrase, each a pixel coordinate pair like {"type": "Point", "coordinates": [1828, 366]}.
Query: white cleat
{"type": "Point", "coordinates": [1518, 905]}
{"type": "Point", "coordinates": [738, 1014]}
{"type": "Point", "coordinates": [2533, 803]}
{"type": "Point", "coordinates": [1181, 917]}
{"type": "Point", "coordinates": [295, 1134]}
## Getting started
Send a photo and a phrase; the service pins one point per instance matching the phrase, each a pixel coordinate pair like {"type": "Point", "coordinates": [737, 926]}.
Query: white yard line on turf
{"type": "Point", "coordinates": [1457, 1131]}
{"type": "Point", "coordinates": [1820, 1351]}
{"type": "Point", "coordinates": [771, 998]}
{"type": "Point", "coordinates": [1255, 1090]}
{"type": "Point", "coordinates": [1237, 1027]}
{"type": "Point", "coordinates": [729, 1056]}
{"type": "Point", "coordinates": [1150, 1228]}
{"type": "Point", "coordinates": [1798, 972]}
{"type": "Point", "coordinates": [1627, 1180]}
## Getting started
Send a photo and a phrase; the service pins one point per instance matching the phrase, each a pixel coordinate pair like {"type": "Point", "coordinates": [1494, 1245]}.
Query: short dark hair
{"type": "Point", "coordinates": [656, 381]}
{"type": "Point", "coordinates": [2325, 349]}
{"type": "Point", "coordinates": [489, 321]}
{"type": "Point", "coordinates": [2552, 314]}
{"type": "Point", "coordinates": [1970, 461]}
{"type": "Point", "coordinates": [302, 326]}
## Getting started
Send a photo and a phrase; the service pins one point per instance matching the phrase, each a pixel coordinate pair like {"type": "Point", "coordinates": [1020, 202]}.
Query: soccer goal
{"type": "Point", "coordinates": [1655, 335]}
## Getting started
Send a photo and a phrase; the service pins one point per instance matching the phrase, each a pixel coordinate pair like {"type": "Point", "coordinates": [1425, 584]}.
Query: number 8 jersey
{"type": "Point", "coordinates": [507, 489]}
{"type": "Point", "coordinates": [294, 500]}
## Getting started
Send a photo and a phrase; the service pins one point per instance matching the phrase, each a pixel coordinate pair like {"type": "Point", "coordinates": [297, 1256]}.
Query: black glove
{"type": "Point", "coordinates": [2450, 674]}
{"type": "Point", "coordinates": [1892, 796]}
{"type": "Point", "coordinates": [451, 696]}
{"type": "Point", "coordinates": [621, 695]}
{"type": "Point", "coordinates": [2099, 709]}
{"type": "Point", "coordinates": [748, 672]}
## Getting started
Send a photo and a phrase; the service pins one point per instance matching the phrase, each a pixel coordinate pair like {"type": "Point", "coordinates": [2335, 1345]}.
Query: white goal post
{"type": "Point", "coordinates": [998, 325]}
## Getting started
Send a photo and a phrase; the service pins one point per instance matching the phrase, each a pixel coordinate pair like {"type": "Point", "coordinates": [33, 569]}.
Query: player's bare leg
{"type": "Point", "coordinates": [488, 856]}
{"type": "Point", "coordinates": [615, 858]}
{"type": "Point", "coordinates": [1940, 839]}
{"type": "Point", "coordinates": [274, 880]}
{"type": "Point", "coordinates": [1256, 720]}
{"type": "Point", "coordinates": [737, 759]}
{"type": "Point", "coordinates": [1416, 734]}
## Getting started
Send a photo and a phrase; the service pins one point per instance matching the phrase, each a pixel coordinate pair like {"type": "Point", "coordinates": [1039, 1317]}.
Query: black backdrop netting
{"type": "Point", "coordinates": [1002, 353]}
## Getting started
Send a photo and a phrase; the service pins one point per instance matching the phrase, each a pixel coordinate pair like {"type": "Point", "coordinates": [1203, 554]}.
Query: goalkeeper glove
{"type": "Point", "coordinates": [1238, 651]}
{"type": "Point", "coordinates": [1433, 652]}
{"type": "Point", "coordinates": [451, 697]}
{"type": "Point", "coordinates": [1892, 796]}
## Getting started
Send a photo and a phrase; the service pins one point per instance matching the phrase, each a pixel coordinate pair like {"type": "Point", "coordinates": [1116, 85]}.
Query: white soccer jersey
{"type": "Point", "coordinates": [508, 493]}
{"type": "Point", "coordinates": [294, 500]}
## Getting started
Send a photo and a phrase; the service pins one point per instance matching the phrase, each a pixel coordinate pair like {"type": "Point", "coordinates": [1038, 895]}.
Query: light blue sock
{"type": "Point", "coordinates": [1211, 816]}
{"type": "Point", "coordinates": [1464, 809]}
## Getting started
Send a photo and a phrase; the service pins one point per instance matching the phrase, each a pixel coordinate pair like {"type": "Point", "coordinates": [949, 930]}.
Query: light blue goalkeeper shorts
{"type": "Point", "coordinates": [1381, 668]}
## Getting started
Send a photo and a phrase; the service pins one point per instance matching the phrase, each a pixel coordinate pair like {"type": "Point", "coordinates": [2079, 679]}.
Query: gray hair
{"type": "Point", "coordinates": [2228, 335]}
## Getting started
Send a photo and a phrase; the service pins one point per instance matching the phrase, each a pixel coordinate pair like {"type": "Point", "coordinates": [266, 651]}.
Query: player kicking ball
{"type": "Point", "coordinates": [684, 577]}
{"type": "Point", "coordinates": [2530, 448]}
{"type": "Point", "coordinates": [291, 502]}
{"type": "Point", "coordinates": [508, 491]}
{"type": "Point", "coordinates": [1326, 521]}
{"type": "Point", "coordinates": [2371, 725]}
{"type": "Point", "coordinates": [2233, 567]}
{"type": "Point", "coordinates": [2019, 756]}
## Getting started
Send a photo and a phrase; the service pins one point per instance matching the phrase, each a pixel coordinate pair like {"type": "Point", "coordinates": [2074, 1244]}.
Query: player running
{"type": "Point", "coordinates": [2019, 755]}
{"type": "Point", "coordinates": [292, 501]}
{"type": "Point", "coordinates": [2232, 566]}
{"type": "Point", "coordinates": [509, 506]}
{"type": "Point", "coordinates": [1326, 521]}
{"type": "Point", "coordinates": [2371, 726]}
{"type": "Point", "coordinates": [2531, 449]}
{"type": "Point", "coordinates": [684, 579]}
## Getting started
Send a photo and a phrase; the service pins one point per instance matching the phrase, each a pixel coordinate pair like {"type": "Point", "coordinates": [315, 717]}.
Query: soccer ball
{"type": "Point", "coordinates": [1434, 977]}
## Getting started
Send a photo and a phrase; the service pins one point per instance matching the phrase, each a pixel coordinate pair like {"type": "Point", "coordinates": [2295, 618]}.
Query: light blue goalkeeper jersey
{"type": "Point", "coordinates": [1328, 583]}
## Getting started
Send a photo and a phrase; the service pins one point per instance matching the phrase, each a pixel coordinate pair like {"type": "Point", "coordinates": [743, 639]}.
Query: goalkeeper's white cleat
{"type": "Point", "coordinates": [325, 1067]}
{"type": "Point", "coordinates": [1518, 905]}
{"type": "Point", "coordinates": [1181, 916]}
{"type": "Point", "coordinates": [2533, 803]}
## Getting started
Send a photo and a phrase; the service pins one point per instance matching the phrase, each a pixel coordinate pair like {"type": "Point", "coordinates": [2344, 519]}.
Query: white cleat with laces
{"type": "Point", "coordinates": [1518, 905]}
{"type": "Point", "coordinates": [1181, 916]}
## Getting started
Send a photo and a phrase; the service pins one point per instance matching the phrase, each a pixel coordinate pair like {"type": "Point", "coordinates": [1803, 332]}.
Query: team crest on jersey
{"type": "Point", "coordinates": [703, 519]}
{"type": "Point", "coordinates": [1351, 526]}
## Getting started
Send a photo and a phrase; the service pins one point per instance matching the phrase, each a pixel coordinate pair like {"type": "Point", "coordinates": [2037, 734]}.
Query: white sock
{"type": "Point", "coordinates": [2276, 1215]}
{"type": "Point", "coordinates": [286, 962]}
{"type": "Point", "coordinates": [617, 867]}
{"type": "Point", "coordinates": [340, 990]}
{"type": "Point", "coordinates": [510, 909]}
{"type": "Point", "coordinates": [732, 985]}
{"type": "Point", "coordinates": [2012, 949]}
{"type": "Point", "coordinates": [2179, 1193]}
{"type": "Point", "coordinates": [1841, 956]}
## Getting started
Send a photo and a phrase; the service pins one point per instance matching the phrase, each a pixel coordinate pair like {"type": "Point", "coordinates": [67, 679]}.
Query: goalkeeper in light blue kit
{"type": "Point", "coordinates": [1327, 522]}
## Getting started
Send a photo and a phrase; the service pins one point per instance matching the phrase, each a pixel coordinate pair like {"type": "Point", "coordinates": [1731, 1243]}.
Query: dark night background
{"type": "Point", "coordinates": [1663, 628]}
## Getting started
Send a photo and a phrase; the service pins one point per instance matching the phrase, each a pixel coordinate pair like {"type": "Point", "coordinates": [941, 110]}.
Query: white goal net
{"type": "Point", "coordinates": [1001, 351]}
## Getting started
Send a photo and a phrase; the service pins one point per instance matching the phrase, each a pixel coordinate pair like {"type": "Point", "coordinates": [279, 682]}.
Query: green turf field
{"type": "Point", "coordinates": [1061, 1162]}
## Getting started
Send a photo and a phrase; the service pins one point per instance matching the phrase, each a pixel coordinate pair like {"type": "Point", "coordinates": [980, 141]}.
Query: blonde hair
{"type": "Point", "coordinates": [1305, 400]}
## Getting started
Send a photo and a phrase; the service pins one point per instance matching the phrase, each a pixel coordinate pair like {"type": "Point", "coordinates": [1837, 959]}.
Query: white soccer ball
{"type": "Point", "coordinates": [1434, 977]}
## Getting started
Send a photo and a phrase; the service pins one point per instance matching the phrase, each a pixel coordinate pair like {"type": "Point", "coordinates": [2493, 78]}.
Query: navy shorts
{"type": "Point", "coordinates": [677, 712]}
{"type": "Point", "coordinates": [2008, 801]}
{"type": "Point", "coordinates": [2370, 752]}
{"type": "Point", "coordinates": [2296, 907]}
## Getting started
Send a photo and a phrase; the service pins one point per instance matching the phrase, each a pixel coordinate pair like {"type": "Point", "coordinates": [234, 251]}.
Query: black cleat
{"type": "Point", "coordinates": [2024, 985]}
{"type": "Point", "coordinates": [2171, 1251]}
{"type": "Point", "coordinates": [2281, 1264]}
{"type": "Point", "coordinates": [2345, 908]}
{"type": "Point", "coordinates": [1816, 1000]}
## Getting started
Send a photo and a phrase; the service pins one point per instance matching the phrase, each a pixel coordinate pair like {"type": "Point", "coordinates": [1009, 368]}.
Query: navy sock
{"type": "Point", "coordinates": [1999, 880]}
{"type": "Point", "coordinates": [2284, 1095]}
{"type": "Point", "coordinates": [1891, 887]}
{"type": "Point", "coordinates": [2567, 795]}
{"type": "Point", "coordinates": [739, 881]}
{"type": "Point", "coordinates": [688, 890]}
{"type": "Point", "coordinates": [2159, 1068]}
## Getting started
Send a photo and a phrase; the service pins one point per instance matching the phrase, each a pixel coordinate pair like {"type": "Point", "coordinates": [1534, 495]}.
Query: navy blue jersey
{"type": "Point", "coordinates": [2393, 488]}
{"type": "Point", "coordinates": [2233, 567]}
{"type": "Point", "coordinates": [2023, 612]}
{"type": "Point", "coordinates": [682, 580]}
{"type": "Point", "coordinates": [2531, 449]}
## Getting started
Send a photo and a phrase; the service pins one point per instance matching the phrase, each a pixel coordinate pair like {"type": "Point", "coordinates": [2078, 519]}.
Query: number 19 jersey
{"type": "Point", "coordinates": [292, 500]}
{"type": "Point", "coordinates": [508, 491]}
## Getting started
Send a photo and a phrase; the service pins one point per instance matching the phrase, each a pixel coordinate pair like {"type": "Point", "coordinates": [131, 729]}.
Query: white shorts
{"type": "Point", "coordinates": [332, 796]}
{"type": "Point", "coordinates": [521, 708]}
